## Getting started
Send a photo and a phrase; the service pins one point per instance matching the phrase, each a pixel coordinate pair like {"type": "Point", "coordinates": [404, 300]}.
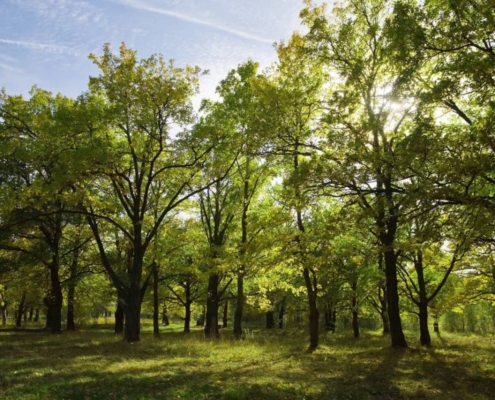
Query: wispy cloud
{"type": "Point", "coordinates": [140, 5]}
{"type": "Point", "coordinates": [10, 68]}
{"type": "Point", "coordinates": [45, 47]}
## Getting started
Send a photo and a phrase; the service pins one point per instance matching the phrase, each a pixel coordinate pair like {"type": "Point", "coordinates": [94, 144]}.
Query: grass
{"type": "Point", "coordinates": [95, 364]}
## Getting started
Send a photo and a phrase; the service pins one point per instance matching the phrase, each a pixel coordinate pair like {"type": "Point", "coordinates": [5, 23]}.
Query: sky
{"type": "Point", "coordinates": [47, 42]}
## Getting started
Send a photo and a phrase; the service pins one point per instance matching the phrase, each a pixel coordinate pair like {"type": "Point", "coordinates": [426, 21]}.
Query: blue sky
{"type": "Point", "coordinates": [46, 42]}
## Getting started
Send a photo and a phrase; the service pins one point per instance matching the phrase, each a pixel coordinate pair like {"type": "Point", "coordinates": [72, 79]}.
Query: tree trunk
{"type": "Point", "coordinates": [165, 320]}
{"type": "Point", "coordinates": [56, 297]}
{"type": "Point", "coordinates": [425, 338]}
{"type": "Point", "coordinates": [314, 315]}
{"type": "Point", "coordinates": [270, 320]}
{"type": "Point", "coordinates": [132, 311]}
{"type": "Point", "coordinates": [330, 316]}
{"type": "Point", "coordinates": [212, 303]}
{"type": "Point", "coordinates": [436, 328]}
{"type": "Point", "coordinates": [133, 295]}
{"type": "Point", "coordinates": [281, 313]}
{"type": "Point", "coordinates": [36, 315]}
{"type": "Point", "coordinates": [156, 327]}
{"type": "Point", "coordinates": [30, 318]}
{"type": "Point", "coordinates": [396, 334]}
{"type": "Point", "coordinates": [49, 318]}
{"type": "Point", "coordinates": [201, 320]}
{"type": "Point", "coordinates": [384, 312]}
{"type": "Point", "coordinates": [20, 311]}
{"type": "Point", "coordinates": [187, 317]}
{"type": "Point", "coordinates": [355, 324]}
{"type": "Point", "coordinates": [355, 309]}
{"type": "Point", "coordinates": [225, 320]}
{"type": "Point", "coordinates": [119, 317]}
{"type": "Point", "coordinates": [239, 306]}
{"type": "Point", "coordinates": [4, 315]}
{"type": "Point", "coordinates": [71, 326]}
{"type": "Point", "coordinates": [385, 323]}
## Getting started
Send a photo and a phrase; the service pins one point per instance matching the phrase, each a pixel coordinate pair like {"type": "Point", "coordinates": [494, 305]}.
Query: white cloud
{"type": "Point", "coordinates": [45, 47]}
{"type": "Point", "coordinates": [140, 5]}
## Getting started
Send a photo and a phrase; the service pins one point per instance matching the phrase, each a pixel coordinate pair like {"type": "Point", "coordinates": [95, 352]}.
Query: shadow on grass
{"type": "Point", "coordinates": [269, 365]}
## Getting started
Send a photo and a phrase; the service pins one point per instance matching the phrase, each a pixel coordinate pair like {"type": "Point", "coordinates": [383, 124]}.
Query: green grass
{"type": "Point", "coordinates": [95, 364]}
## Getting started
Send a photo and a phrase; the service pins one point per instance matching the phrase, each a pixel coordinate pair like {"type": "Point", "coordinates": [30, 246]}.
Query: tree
{"type": "Point", "coordinates": [39, 135]}
{"type": "Point", "coordinates": [291, 106]}
{"type": "Point", "coordinates": [140, 166]}
{"type": "Point", "coordinates": [366, 154]}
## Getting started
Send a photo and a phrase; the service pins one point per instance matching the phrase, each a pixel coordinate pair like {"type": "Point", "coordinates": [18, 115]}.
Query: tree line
{"type": "Point", "coordinates": [357, 171]}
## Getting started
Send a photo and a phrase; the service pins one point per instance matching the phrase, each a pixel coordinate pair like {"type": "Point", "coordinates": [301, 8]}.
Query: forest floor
{"type": "Point", "coordinates": [95, 364]}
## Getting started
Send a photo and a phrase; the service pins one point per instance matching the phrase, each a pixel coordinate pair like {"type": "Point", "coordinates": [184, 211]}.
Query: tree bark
{"type": "Point", "coordinates": [396, 333]}
{"type": "Point", "coordinates": [355, 324]}
{"type": "Point", "coordinates": [36, 315]}
{"type": "Point", "coordinates": [425, 338]}
{"type": "Point", "coordinates": [384, 312]}
{"type": "Point", "coordinates": [281, 313]}
{"type": "Point", "coordinates": [71, 326]}
{"type": "Point", "coordinates": [49, 318]}
{"type": "Point", "coordinates": [212, 303]}
{"type": "Point", "coordinates": [132, 311]}
{"type": "Point", "coordinates": [119, 317]}
{"type": "Point", "coordinates": [165, 320]}
{"type": "Point", "coordinates": [314, 315]}
{"type": "Point", "coordinates": [239, 306]}
{"type": "Point", "coordinates": [201, 320]}
{"type": "Point", "coordinates": [436, 328]}
{"type": "Point", "coordinates": [156, 325]}
{"type": "Point", "coordinates": [4, 315]}
{"type": "Point", "coordinates": [355, 309]}
{"type": "Point", "coordinates": [187, 317]}
{"type": "Point", "coordinates": [56, 297]}
{"type": "Point", "coordinates": [20, 311]}
{"type": "Point", "coordinates": [225, 320]}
